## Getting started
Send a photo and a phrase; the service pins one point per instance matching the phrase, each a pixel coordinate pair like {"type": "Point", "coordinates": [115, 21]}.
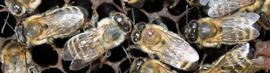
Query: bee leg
{"type": "Point", "coordinates": [126, 54]}
{"type": "Point", "coordinates": [33, 69]}
{"type": "Point", "coordinates": [210, 44]}
{"type": "Point", "coordinates": [93, 21]}
{"type": "Point", "coordinates": [4, 9]}
{"type": "Point", "coordinates": [104, 58]}
{"type": "Point", "coordinates": [50, 41]}
{"type": "Point", "coordinates": [173, 3]}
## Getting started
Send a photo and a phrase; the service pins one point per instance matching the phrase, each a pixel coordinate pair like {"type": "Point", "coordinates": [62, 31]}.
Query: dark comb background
{"type": "Point", "coordinates": [48, 56]}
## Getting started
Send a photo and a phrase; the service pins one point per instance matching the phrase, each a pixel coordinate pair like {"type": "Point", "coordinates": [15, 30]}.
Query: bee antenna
{"type": "Point", "coordinates": [126, 54]}
{"type": "Point", "coordinates": [123, 6]}
{"type": "Point", "coordinates": [6, 23]}
{"type": "Point", "coordinates": [187, 14]}
{"type": "Point", "coordinates": [127, 70]}
{"type": "Point", "coordinates": [2, 6]}
{"type": "Point", "coordinates": [119, 70]}
{"type": "Point", "coordinates": [4, 9]}
{"type": "Point", "coordinates": [133, 18]}
{"type": "Point", "coordinates": [90, 68]}
{"type": "Point", "coordinates": [201, 63]}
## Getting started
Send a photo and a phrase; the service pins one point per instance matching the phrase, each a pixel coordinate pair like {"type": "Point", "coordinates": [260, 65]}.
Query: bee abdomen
{"type": "Point", "coordinates": [70, 48]}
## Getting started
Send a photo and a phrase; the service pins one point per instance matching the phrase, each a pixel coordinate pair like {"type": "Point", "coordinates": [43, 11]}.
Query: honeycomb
{"type": "Point", "coordinates": [174, 13]}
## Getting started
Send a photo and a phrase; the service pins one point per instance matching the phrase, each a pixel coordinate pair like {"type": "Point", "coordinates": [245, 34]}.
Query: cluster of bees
{"type": "Point", "coordinates": [229, 22]}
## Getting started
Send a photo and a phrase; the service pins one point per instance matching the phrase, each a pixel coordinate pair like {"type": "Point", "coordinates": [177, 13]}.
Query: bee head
{"type": "Point", "coordinates": [15, 8]}
{"type": "Point", "coordinates": [136, 33]}
{"type": "Point", "coordinates": [29, 31]}
{"type": "Point", "coordinates": [19, 34]}
{"type": "Point", "coordinates": [137, 64]}
{"type": "Point", "coordinates": [122, 21]}
{"type": "Point", "coordinates": [191, 30]}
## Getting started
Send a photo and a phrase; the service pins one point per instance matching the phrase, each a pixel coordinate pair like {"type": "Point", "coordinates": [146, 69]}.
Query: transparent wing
{"type": "Point", "coordinates": [237, 56]}
{"type": "Point", "coordinates": [233, 35]}
{"type": "Point", "coordinates": [63, 22]}
{"type": "Point", "coordinates": [238, 28]}
{"type": "Point", "coordinates": [177, 50]}
{"type": "Point", "coordinates": [77, 64]}
{"type": "Point", "coordinates": [218, 8]}
{"type": "Point", "coordinates": [240, 20]}
{"type": "Point", "coordinates": [71, 46]}
{"type": "Point", "coordinates": [82, 49]}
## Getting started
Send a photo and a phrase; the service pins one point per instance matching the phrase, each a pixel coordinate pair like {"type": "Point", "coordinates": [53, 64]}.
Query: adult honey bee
{"type": "Point", "coordinates": [90, 45]}
{"type": "Point", "coordinates": [20, 7]}
{"type": "Point", "coordinates": [237, 60]}
{"type": "Point", "coordinates": [16, 59]}
{"type": "Point", "coordinates": [159, 42]}
{"type": "Point", "coordinates": [145, 65]}
{"type": "Point", "coordinates": [218, 8]}
{"type": "Point", "coordinates": [212, 32]}
{"type": "Point", "coordinates": [55, 23]}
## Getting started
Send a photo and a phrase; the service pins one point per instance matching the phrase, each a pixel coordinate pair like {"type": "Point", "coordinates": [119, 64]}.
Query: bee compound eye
{"type": "Point", "coordinates": [135, 36]}
{"type": "Point", "coordinates": [191, 30]}
{"type": "Point", "coordinates": [118, 18]}
{"type": "Point", "coordinates": [19, 34]}
{"type": "Point", "coordinates": [16, 8]}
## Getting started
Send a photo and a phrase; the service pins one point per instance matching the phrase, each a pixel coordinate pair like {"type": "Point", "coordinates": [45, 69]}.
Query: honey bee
{"type": "Point", "coordinates": [55, 23]}
{"type": "Point", "coordinates": [144, 65]}
{"type": "Point", "coordinates": [20, 7]}
{"type": "Point", "coordinates": [218, 8]}
{"type": "Point", "coordinates": [212, 32]}
{"type": "Point", "coordinates": [88, 46]}
{"type": "Point", "coordinates": [16, 59]}
{"type": "Point", "coordinates": [159, 42]}
{"type": "Point", "coordinates": [235, 61]}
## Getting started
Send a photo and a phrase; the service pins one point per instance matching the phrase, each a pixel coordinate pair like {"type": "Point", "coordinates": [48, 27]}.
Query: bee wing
{"type": "Point", "coordinates": [72, 44]}
{"type": "Point", "coordinates": [177, 51]}
{"type": "Point", "coordinates": [217, 8]}
{"type": "Point", "coordinates": [238, 28]}
{"type": "Point", "coordinates": [82, 49]}
{"type": "Point", "coordinates": [237, 56]}
{"type": "Point", "coordinates": [77, 64]}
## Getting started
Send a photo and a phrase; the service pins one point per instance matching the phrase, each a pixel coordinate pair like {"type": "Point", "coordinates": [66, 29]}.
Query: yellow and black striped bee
{"type": "Point", "coordinates": [212, 32]}
{"type": "Point", "coordinates": [219, 8]}
{"type": "Point", "coordinates": [145, 65]}
{"type": "Point", "coordinates": [20, 7]}
{"type": "Point", "coordinates": [167, 46]}
{"type": "Point", "coordinates": [55, 23]}
{"type": "Point", "coordinates": [237, 60]}
{"type": "Point", "coordinates": [90, 45]}
{"type": "Point", "coordinates": [16, 58]}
